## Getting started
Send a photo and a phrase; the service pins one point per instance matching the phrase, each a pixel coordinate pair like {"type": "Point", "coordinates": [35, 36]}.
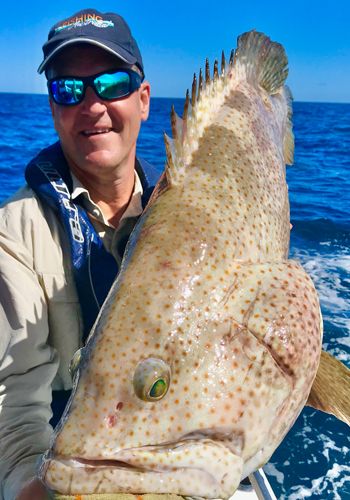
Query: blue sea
{"type": "Point", "coordinates": [314, 459]}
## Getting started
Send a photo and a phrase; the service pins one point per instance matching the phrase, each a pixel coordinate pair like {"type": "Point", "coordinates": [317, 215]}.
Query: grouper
{"type": "Point", "coordinates": [209, 341]}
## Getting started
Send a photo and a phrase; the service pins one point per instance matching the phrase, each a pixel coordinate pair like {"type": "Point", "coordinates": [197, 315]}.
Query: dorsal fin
{"type": "Point", "coordinates": [194, 89]}
{"type": "Point", "coordinates": [223, 63]}
{"type": "Point", "coordinates": [177, 127]}
{"type": "Point", "coordinates": [200, 84]}
{"type": "Point", "coordinates": [169, 150]}
{"type": "Point", "coordinates": [207, 72]}
{"type": "Point", "coordinates": [257, 60]}
{"type": "Point", "coordinates": [186, 106]}
{"type": "Point", "coordinates": [216, 70]}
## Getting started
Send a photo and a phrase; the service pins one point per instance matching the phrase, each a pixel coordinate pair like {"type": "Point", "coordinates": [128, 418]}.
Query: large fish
{"type": "Point", "coordinates": [209, 341]}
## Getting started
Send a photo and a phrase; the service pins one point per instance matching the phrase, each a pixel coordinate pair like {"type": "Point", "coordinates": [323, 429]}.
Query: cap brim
{"type": "Point", "coordinates": [111, 48]}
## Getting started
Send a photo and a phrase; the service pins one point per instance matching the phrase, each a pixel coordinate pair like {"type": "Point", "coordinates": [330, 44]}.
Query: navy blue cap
{"type": "Point", "coordinates": [106, 30]}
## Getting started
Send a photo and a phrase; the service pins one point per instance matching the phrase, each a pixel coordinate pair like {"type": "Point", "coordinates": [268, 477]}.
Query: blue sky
{"type": "Point", "coordinates": [175, 38]}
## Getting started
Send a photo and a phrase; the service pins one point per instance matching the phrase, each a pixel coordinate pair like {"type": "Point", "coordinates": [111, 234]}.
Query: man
{"type": "Point", "coordinates": [63, 235]}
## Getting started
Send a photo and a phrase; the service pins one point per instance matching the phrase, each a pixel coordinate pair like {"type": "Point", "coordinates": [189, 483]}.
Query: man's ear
{"type": "Point", "coordinates": [52, 107]}
{"type": "Point", "coordinates": [145, 96]}
{"type": "Point", "coordinates": [53, 111]}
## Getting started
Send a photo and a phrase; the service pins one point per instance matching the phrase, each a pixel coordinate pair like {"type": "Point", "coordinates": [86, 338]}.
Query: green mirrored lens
{"type": "Point", "coordinates": [112, 85]}
{"type": "Point", "coordinates": [67, 90]}
{"type": "Point", "coordinates": [108, 86]}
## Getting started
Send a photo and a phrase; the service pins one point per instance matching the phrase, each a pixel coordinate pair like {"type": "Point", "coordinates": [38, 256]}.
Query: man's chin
{"type": "Point", "coordinates": [100, 158]}
{"type": "Point", "coordinates": [96, 164]}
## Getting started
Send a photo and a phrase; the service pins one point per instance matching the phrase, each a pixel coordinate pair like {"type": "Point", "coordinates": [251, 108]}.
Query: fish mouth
{"type": "Point", "coordinates": [191, 467]}
{"type": "Point", "coordinates": [131, 458]}
{"type": "Point", "coordinates": [78, 462]}
{"type": "Point", "coordinates": [128, 458]}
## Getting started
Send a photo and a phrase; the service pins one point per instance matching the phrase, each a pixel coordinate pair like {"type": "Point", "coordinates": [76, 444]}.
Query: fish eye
{"type": "Point", "coordinates": [151, 379]}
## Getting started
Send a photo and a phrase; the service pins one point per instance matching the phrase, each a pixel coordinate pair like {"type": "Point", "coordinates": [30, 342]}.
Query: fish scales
{"type": "Point", "coordinates": [207, 298]}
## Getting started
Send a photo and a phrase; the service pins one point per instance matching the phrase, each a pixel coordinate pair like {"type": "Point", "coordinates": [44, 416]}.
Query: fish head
{"type": "Point", "coordinates": [179, 399]}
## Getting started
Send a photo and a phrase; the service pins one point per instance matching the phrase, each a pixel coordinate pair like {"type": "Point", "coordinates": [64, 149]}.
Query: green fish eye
{"type": "Point", "coordinates": [151, 379]}
{"type": "Point", "coordinates": [158, 389]}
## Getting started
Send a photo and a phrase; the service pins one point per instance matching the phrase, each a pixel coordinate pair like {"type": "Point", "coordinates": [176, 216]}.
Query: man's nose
{"type": "Point", "coordinates": [92, 104]}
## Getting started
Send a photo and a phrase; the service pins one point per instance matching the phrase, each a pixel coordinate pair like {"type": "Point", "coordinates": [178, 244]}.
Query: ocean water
{"type": "Point", "coordinates": [313, 461]}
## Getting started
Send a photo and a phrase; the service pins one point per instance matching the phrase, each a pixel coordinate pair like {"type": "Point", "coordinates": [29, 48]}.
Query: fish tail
{"type": "Point", "coordinates": [264, 62]}
{"type": "Point", "coordinates": [288, 142]}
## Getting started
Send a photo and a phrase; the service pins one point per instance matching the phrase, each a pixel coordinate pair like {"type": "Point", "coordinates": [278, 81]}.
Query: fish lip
{"type": "Point", "coordinates": [93, 464]}
{"type": "Point", "coordinates": [77, 462]}
{"type": "Point", "coordinates": [194, 438]}
{"type": "Point", "coordinates": [131, 471]}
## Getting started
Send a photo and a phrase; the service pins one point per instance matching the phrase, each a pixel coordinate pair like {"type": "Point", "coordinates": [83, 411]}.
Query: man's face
{"type": "Point", "coordinates": [97, 136]}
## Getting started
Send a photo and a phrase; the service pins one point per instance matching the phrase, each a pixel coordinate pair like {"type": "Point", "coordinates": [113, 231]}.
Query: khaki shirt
{"type": "Point", "coordinates": [40, 321]}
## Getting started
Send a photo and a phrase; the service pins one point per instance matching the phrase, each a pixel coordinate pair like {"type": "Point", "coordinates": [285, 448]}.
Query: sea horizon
{"type": "Point", "coordinates": [165, 97]}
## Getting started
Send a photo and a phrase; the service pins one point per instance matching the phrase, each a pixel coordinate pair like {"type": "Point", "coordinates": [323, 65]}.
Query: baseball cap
{"type": "Point", "coordinates": [106, 30]}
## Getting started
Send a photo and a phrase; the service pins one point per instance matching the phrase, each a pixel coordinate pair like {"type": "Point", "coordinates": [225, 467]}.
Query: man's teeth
{"type": "Point", "coordinates": [96, 131]}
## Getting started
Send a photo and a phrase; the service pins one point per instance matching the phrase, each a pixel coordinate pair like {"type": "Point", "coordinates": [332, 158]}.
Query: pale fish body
{"type": "Point", "coordinates": [207, 302]}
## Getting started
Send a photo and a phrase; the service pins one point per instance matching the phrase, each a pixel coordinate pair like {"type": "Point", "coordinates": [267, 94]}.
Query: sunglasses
{"type": "Point", "coordinates": [70, 90]}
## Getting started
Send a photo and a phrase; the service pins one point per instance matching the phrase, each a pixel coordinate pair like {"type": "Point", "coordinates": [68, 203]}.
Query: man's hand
{"type": "Point", "coordinates": [34, 490]}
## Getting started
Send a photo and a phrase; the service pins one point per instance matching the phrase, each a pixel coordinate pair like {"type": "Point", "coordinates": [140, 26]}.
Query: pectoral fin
{"type": "Point", "coordinates": [330, 391]}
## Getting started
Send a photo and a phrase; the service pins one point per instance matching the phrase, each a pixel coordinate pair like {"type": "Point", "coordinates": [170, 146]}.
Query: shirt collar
{"type": "Point", "coordinates": [134, 209]}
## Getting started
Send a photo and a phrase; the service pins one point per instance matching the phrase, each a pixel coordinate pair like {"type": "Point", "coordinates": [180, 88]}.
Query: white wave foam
{"type": "Point", "coordinates": [271, 470]}
{"type": "Point", "coordinates": [337, 345]}
{"type": "Point", "coordinates": [335, 348]}
{"type": "Point", "coordinates": [334, 480]}
{"type": "Point", "coordinates": [330, 274]}
{"type": "Point", "coordinates": [344, 340]}
{"type": "Point", "coordinates": [326, 273]}
{"type": "Point", "coordinates": [329, 444]}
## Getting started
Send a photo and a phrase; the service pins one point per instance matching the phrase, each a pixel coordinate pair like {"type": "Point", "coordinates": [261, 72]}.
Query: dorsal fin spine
{"type": "Point", "coordinates": [223, 63]}
{"type": "Point", "coordinates": [194, 90]}
{"type": "Point", "coordinates": [207, 72]}
{"type": "Point", "coordinates": [200, 84]}
{"type": "Point", "coordinates": [197, 113]}
{"type": "Point", "coordinates": [256, 59]}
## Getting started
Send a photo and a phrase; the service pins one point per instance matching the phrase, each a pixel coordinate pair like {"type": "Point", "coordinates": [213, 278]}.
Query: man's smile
{"type": "Point", "coordinates": [96, 131]}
